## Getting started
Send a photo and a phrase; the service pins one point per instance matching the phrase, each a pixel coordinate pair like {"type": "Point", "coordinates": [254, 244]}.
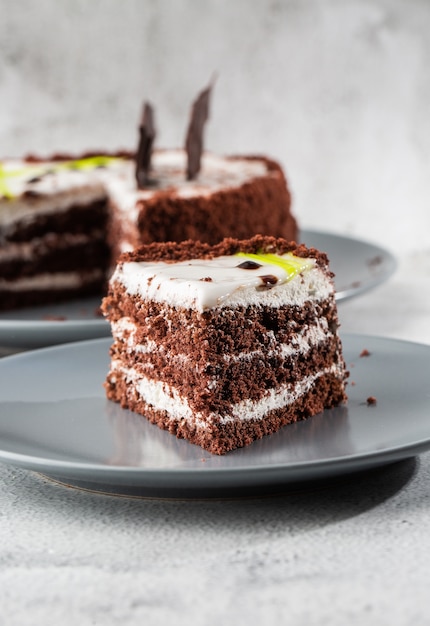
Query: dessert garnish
{"type": "Point", "coordinates": [144, 150]}
{"type": "Point", "coordinates": [249, 265]}
{"type": "Point", "coordinates": [194, 139]}
{"type": "Point", "coordinates": [269, 280]}
{"type": "Point", "coordinates": [291, 264]}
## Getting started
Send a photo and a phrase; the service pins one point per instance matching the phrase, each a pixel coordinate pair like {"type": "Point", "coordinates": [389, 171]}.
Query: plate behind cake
{"type": "Point", "coordinates": [358, 266]}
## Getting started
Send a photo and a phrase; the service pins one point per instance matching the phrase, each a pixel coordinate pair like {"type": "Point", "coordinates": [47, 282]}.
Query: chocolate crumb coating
{"type": "Point", "coordinates": [173, 252]}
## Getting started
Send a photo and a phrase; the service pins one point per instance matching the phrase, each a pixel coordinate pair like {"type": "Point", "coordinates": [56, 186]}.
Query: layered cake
{"type": "Point", "coordinates": [224, 344]}
{"type": "Point", "coordinates": [64, 221]}
{"type": "Point", "coordinates": [53, 220]}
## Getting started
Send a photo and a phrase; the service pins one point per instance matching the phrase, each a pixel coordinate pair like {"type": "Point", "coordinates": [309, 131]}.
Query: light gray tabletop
{"type": "Point", "coordinates": [353, 552]}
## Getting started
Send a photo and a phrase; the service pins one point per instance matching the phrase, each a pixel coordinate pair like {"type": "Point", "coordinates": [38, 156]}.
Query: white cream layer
{"type": "Point", "coordinates": [166, 398]}
{"type": "Point", "coordinates": [184, 285]}
{"type": "Point", "coordinates": [60, 280]}
{"type": "Point", "coordinates": [26, 251]}
{"type": "Point", "coordinates": [125, 331]}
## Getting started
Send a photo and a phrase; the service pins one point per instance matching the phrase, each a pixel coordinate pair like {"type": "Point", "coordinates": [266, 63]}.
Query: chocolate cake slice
{"type": "Point", "coordinates": [224, 344]}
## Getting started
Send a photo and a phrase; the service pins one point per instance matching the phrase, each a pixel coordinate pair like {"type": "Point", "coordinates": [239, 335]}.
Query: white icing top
{"type": "Point", "coordinates": [52, 177]}
{"type": "Point", "coordinates": [64, 187]}
{"type": "Point", "coordinates": [56, 187]}
{"type": "Point", "coordinates": [185, 284]}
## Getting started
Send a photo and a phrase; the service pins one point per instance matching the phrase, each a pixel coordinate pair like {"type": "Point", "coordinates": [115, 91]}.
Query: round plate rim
{"type": "Point", "coordinates": [43, 332]}
{"type": "Point", "coordinates": [390, 262]}
{"type": "Point", "coordinates": [243, 475]}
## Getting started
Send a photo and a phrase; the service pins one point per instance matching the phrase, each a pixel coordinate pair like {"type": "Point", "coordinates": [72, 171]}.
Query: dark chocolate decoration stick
{"type": "Point", "coordinates": [194, 140]}
{"type": "Point", "coordinates": [144, 150]}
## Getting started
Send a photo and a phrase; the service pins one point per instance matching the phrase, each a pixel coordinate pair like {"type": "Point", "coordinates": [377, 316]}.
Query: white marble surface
{"type": "Point", "coordinates": [355, 553]}
{"type": "Point", "coordinates": [340, 93]}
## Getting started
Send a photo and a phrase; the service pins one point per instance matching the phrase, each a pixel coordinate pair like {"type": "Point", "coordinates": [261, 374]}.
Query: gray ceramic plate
{"type": "Point", "coordinates": [54, 419]}
{"type": "Point", "coordinates": [359, 266]}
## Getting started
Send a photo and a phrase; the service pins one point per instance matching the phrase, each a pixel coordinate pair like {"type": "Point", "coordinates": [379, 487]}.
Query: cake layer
{"type": "Point", "coordinates": [233, 196]}
{"type": "Point", "coordinates": [212, 338]}
{"type": "Point", "coordinates": [50, 287]}
{"type": "Point", "coordinates": [53, 219]}
{"type": "Point", "coordinates": [20, 214]}
{"type": "Point", "coordinates": [255, 360]}
{"type": "Point", "coordinates": [294, 340]}
{"type": "Point", "coordinates": [174, 402]}
{"type": "Point", "coordinates": [216, 386]}
{"type": "Point", "coordinates": [35, 193]}
{"type": "Point", "coordinates": [221, 435]}
{"type": "Point", "coordinates": [54, 253]}
{"type": "Point", "coordinates": [57, 178]}
{"type": "Point", "coordinates": [77, 218]}
{"type": "Point", "coordinates": [47, 256]}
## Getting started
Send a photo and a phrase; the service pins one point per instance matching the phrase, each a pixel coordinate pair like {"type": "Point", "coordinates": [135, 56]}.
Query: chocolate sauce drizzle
{"type": "Point", "coordinates": [194, 139]}
{"type": "Point", "coordinates": [268, 281]}
{"type": "Point", "coordinates": [144, 150]}
{"type": "Point", "coordinates": [249, 265]}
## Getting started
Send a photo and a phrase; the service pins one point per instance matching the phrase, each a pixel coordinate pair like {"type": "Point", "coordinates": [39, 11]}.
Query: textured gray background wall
{"type": "Point", "coordinates": [339, 91]}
